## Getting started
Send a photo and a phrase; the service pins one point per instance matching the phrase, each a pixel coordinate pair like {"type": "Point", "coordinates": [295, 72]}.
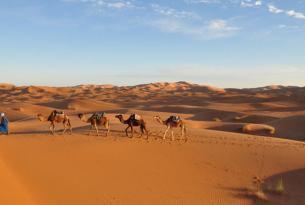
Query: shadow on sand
{"type": "Point", "coordinates": [293, 190]}
{"type": "Point", "coordinates": [83, 130]}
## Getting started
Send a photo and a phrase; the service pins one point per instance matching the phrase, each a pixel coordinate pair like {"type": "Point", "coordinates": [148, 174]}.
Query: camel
{"type": "Point", "coordinates": [133, 121]}
{"type": "Point", "coordinates": [173, 122]}
{"type": "Point", "coordinates": [56, 117]}
{"type": "Point", "coordinates": [96, 120]}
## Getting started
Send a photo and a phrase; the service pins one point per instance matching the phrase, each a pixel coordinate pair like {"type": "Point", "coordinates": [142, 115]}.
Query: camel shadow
{"type": "Point", "coordinates": [30, 132]}
{"type": "Point", "coordinates": [83, 130]}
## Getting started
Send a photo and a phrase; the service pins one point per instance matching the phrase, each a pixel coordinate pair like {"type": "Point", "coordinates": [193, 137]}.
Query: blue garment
{"type": "Point", "coordinates": [4, 125]}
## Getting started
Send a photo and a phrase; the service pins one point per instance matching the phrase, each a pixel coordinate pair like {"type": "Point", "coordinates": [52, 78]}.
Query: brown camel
{"type": "Point", "coordinates": [133, 121]}
{"type": "Point", "coordinates": [96, 120]}
{"type": "Point", "coordinates": [173, 122]}
{"type": "Point", "coordinates": [56, 117]}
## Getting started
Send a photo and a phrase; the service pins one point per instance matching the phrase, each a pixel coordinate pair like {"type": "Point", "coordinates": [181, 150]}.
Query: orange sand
{"type": "Point", "coordinates": [216, 165]}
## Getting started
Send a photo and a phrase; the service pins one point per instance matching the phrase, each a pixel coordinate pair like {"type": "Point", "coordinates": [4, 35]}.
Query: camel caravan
{"type": "Point", "coordinates": [100, 120]}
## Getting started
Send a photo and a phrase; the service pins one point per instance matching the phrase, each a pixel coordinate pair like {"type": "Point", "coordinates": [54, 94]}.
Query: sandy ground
{"type": "Point", "coordinates": [215, 166]}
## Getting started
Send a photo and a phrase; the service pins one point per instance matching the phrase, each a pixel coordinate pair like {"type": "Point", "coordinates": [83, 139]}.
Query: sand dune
{"type": "Point", "coordinates": [6, 86]}
{"type": "Point", "coordinates": [259, 128]}
{"type": "Point", "coordinates": [291, 127]}
{"type": "Point", "coordinates": [216, 166]}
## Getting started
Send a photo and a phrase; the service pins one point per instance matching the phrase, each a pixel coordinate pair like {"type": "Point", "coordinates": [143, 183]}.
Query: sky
{"type": "Point", "coordinates": [232, 43]}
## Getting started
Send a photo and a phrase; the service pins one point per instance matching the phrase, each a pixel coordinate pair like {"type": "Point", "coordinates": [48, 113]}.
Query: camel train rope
{"type": "Point", "coordinates": [56, 117]}
{"type": "Point", "coordinates": [96, 120]}
{"type": "Point", "coordinates": [134, 120]}
{"type": "Point", "coordinates": [173, 122]}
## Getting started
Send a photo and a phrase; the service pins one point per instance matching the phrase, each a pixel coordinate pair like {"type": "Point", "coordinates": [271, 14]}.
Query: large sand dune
{"type": "Point", "coordinates": [216, 165]}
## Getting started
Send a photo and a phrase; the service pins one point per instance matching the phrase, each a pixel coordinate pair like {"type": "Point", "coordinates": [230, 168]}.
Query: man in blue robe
{"type": "Point", "coordinates": [4, 124]}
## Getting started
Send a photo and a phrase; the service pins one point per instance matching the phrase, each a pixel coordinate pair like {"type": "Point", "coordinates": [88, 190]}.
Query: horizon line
{"type": "Point", "coordinates": [139, 84]}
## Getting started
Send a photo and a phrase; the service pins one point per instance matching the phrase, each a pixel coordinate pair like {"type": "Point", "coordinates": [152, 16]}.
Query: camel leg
{"type": "Point", "coordinates": [70, 129]}
{"type": "Point", "coordinates": [132, 131]}
{"type": "Point", "coordinates": [65, 128]}
{"type": "Point", "coordinates": [52, 128]}
{"type": "Point", "coordinates": [108, 128]}
{"type": "Point", "coordinates": [126, 131]}
{"type": "Point", "coordinates": [141, 129]}
{"type": "Point", "coordinates": [96, 129]}
{"type": "Point", "coordinates": [182, 132]}
{"type": "Point", "coordinates": [91, 128]}
{"type": "Point", "coordinates": [146, 132]}
{"type": "Point", "coordinates": [165, 133]}
{"type": "Point", "coordinates": [172, 132]}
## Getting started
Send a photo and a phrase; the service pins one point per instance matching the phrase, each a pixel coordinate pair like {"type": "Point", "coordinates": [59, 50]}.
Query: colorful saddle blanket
{"type": "Point", "coordinates": [55, 113]}
{"type": "Point", "coordinates": [135, 117]}
{"type": "Point", "coordinates": [59, 112]}
{"type": "Point", "coordinates": [98, 115]}
{"type": "Point", "coordinates": [175, 118]}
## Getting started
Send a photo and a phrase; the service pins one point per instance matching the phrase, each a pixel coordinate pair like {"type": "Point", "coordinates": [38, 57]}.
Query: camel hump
{"type": "Point", "coordinates": [135, 116]}
{"type": "Point", "coordinates": [98, 115]}
{"type": "Point", "coordinates": [56, 113]}
{"type": "Point", "coordinates": [175, 118]}
{"type": "Point", "coordinates": [59, 112]}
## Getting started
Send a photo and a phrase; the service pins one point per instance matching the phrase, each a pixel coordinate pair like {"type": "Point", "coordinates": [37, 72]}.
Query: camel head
{"type": "Point", "coordinates": [83, 117]}
{"type": "Point", "coordinates": [119, 116]}
{"type": "Point", "coordinates": [158, 119]}
{"type": "Point", "coordinates": [80, 115]}
{"type": "Point", "coordinates": [40, 117]}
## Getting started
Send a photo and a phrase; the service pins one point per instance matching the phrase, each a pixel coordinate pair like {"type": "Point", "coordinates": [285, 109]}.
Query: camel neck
{"type": "Point", "coordinates": [161, 121]}
{"type": "Point", "coordinates": [43, 119]}
{"type": "Point", "coordinates": [85, 119]}
{"type": "Point", "coordinates": [121, 120]}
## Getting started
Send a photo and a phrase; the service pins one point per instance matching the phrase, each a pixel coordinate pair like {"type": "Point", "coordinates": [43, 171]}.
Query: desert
{"type": "Point", "coordinates": [244, 146]}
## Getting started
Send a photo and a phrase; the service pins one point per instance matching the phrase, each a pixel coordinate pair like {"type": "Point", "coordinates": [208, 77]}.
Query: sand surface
{"type": "Point", "coordinates": [215, 166]}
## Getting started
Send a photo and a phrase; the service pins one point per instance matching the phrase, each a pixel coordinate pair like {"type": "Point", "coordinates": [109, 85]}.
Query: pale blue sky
{"type": "Point", "coordinates": [232, 43]}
